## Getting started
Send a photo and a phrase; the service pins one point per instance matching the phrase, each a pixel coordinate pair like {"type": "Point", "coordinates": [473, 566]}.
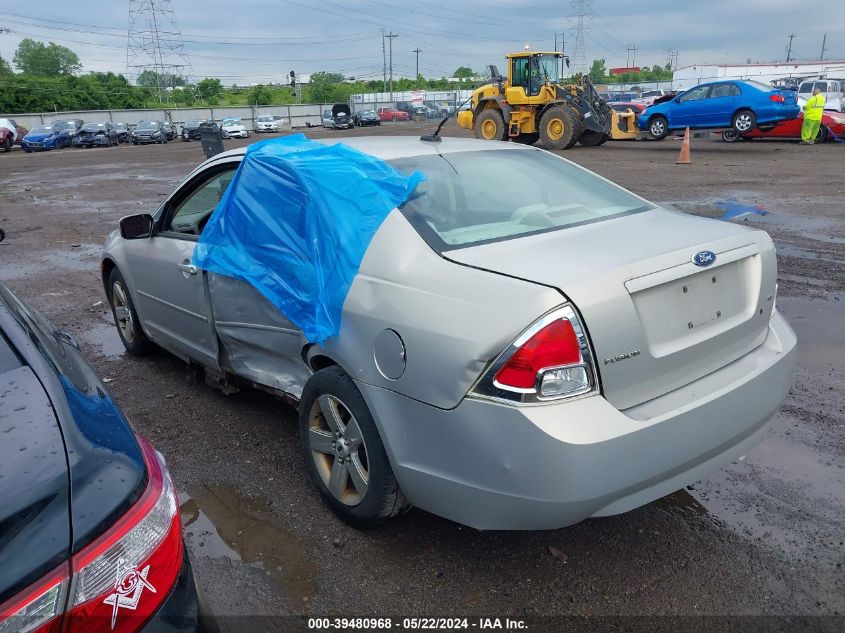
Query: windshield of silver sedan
{"type": "Point", "coordinates": [485, 196]}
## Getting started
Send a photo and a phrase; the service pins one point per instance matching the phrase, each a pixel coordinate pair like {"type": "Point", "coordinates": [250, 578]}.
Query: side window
{"type": "Point", "coordinates": [724, 90]}
{"type": "Point", "coordinates": [695, 94]}
{"type": "Point", "coordinates": [520, 72]}
{"type": "Point", "coordinates": [193, 210]}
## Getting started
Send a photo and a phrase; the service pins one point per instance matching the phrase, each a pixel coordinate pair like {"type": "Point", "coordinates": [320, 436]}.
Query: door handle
{"type": "Point", "coordinates": [187, 269]}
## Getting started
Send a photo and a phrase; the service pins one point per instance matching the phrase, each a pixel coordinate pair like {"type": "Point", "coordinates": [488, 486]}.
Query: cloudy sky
{"type": "Point", "coordinates": [259, 41]}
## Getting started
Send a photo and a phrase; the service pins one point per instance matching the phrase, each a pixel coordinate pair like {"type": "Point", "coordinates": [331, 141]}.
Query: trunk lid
{"type": "Point", "coordinates": [34, 486]}
{"type": "Point", "coordinates": [656, 320]}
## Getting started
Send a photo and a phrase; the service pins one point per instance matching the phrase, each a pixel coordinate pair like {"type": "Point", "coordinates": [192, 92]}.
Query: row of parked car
{"type": "Point", "coordinates": [62, 133]}
{"type": "Point", "coordinates": [740, 110]}
{"type": "Point", "coordinates": [340, 116]}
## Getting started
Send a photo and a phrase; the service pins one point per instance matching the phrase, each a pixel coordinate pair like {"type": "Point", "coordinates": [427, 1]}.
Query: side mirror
{"type": "Point", "coordinates": [136, 227]}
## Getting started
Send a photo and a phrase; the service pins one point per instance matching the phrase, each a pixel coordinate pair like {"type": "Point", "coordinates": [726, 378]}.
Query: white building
{"type": "Point", "coordinates": [689, 76]}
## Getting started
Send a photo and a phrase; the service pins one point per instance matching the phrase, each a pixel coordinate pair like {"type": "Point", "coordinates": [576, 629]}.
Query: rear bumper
{"type": "Point", "coordinates": [773, 115]}
{"type": "Point", "coordinates": [494, 466]}
{"type": "Point", "coordinates": [181, 612]}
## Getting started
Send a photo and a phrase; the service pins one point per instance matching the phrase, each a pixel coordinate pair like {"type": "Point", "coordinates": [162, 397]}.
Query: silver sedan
{"type": "Point", "coordinates": [525, 343]}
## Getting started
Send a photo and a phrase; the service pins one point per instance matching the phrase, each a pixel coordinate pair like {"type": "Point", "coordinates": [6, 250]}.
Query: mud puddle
{"type": "Point", "coordinates": [218, 522]}
{"type": "Point", "coordinates": [818, 324]}
{"type": "Point", "coordinates": [104, 336]}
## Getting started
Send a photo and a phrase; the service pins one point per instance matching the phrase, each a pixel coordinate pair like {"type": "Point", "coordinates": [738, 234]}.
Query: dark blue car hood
{"type": "Point", "coordinates": [82, 468]}
{"type": "Point", "coordinates": [37, 138]}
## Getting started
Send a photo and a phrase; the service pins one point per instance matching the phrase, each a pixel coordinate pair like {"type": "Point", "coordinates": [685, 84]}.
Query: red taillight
{"type": "Point", "coordinates": [123, 577]}
{"type": "Point", "coordinates": [39, 607]}
{"type": "Point", "coordinates": [555, 345]}
{"type": "Point", "coordinates": [777, 98]}
{"type": "Point", "coordinates": [549, 361]}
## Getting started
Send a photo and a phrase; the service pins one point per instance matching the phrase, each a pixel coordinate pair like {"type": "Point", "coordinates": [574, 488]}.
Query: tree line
{"type": "Point", "coordinates": [49, 77]}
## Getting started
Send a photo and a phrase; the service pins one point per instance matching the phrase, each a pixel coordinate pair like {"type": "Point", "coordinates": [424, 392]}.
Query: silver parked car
{"type": "Point", "coordinates": [525, 344]}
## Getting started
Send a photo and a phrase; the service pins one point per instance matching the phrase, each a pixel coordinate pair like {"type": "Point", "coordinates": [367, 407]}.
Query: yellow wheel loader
{"type": "Point", "coordinates": [531, 104]}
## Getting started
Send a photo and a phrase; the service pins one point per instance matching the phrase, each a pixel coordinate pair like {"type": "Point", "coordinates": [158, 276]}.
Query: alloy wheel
{"type": "Point", "coordinates": [338, 450]}
{"type": "Point", "coordinates": [743, 122]}
{"type": "Point", "coordinates": [122, 312]}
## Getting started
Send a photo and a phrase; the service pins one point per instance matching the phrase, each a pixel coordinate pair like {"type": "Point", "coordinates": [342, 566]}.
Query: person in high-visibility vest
{"type": "Point", "coordinates": [813, 110]}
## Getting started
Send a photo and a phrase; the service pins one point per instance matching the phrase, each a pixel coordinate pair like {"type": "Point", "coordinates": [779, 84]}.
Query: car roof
{"type": "Point", "coordinates": [393, 147]}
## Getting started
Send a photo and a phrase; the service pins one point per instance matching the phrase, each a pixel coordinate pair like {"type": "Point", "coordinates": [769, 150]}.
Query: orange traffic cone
{"type": "Point", "coordinates": [684, 156]}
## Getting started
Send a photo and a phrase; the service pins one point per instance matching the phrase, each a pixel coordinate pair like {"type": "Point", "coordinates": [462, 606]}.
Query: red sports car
{"type": "Point", "coordinates": [624, 106]}
{"type": "Point", "coordinates": [833, 123]}
{"type": "Point", "coordinates": [392, 114]}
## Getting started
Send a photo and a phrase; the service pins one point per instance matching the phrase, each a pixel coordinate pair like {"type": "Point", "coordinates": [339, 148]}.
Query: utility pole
{"type": "Point", "coordinates": [632, 56]}
{"type": "Point", "coordinates": [418, 51]}
{"type": "Point", "coordinates": [824, 41]}
{"type": "Point", "coordinates": [390, 37]}
{"type": "Point", "coordinates": [789, 50]}
{"type": "Point", "coordinates": [384, 60]}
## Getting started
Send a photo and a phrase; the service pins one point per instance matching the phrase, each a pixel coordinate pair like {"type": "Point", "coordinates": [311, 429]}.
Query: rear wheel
{"type": "Point", "coordinates": [730, 136]}
{"type": "Point", "coordinates": [344, 453]}
{"type": "Point", "coordinates": [592, 139]}
{"type": "Point", "coordinates": [7, 145]}
{"type": "Point", "coordinates": [558, 127]}
{"type": "Point", "coordinates": [658, 128]}
{"type": "Point", "coordinates": [490, 125]}
{"type": "Point", "coordinates": [125, 315]}
{"type": "Point", "coordinates": [744, 121]}
{"type": "Point", "coordinates": [821, 137]}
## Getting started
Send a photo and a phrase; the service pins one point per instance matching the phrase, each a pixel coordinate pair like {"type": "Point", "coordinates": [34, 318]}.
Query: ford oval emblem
{"type": "Point", "coordinates": [704, 258]}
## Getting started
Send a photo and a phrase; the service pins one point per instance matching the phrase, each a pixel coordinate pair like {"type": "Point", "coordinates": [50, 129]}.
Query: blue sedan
{"type": "Point", "coordinates": [45, 137]}
{"type": "Point", "coordinates": [741, 105]}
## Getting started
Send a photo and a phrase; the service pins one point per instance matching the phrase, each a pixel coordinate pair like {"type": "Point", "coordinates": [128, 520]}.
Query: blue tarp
{"type": "Point", "coordinates": [295, 223]}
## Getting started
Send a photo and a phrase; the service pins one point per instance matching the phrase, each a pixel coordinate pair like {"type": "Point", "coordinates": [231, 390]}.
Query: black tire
{"type": "Point", "coordinates": [7, 146]}
{"type": "Point", "coordinates": [730, 136]}
{"type": "Point", "coordinates": [527, 138]}
{"type": "Point", "coordinates": [744, 121]}
{"type": "Point", "coordinates": [592, 139]}
{"type": "Point", "coordinates": [822, 135]}
{"type": "Point", "coordinates": [490, 126]}
{"type": "Point", "coordinates": [134, 142]}
{"type": "Point", "coordinates": [383, 499]}
{"type": "Point", "coordinates": [559, 127]}
{"type": "Point", "coordinates": [658, 128]}
{"type": "Point", "coordinates": [139, 343]}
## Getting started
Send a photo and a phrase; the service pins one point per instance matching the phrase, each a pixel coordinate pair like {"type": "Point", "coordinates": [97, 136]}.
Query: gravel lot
{"type": "Point", "coordinates": [762, 537]}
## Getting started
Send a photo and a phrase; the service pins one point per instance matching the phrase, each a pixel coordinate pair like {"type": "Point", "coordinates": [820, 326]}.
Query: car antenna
{"type": "Point", "coordinates": [435, 138]}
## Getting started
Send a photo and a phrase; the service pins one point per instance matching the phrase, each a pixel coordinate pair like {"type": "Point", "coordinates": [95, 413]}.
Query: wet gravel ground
{"type": "Point", "coordinates": [762, 537]}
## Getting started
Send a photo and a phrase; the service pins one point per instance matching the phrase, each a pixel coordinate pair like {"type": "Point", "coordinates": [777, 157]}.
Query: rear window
{"type": "Point", "coordinates": [760, 86]}
{"type": "Point", "coordinates": [485, 196]}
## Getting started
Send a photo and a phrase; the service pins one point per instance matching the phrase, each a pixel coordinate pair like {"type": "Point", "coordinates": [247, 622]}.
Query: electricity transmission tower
{"type": "Point", "coordinates": [579, 53]}
{"type": "Point", "coordinates": [154, 42]}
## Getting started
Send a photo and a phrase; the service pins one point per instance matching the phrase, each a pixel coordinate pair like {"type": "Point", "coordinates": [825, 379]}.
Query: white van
{"type": "Point", "coordinates": [831, 89]}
